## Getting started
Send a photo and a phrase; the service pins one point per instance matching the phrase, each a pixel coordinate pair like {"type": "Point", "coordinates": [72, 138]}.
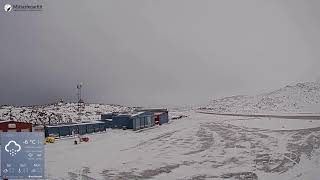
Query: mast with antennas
{"type": "Point", "coordinates": [80, 101]}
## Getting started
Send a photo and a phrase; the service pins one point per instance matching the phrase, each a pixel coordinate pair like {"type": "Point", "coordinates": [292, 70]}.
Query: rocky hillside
{"type": "Point", "coordinates": [297, 98]}
{"type": "Point", "coordinates": [58, 113]}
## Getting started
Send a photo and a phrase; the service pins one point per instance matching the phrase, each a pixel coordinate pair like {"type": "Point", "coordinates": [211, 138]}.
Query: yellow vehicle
{"type": "Point", "coordinates": [50, 139]}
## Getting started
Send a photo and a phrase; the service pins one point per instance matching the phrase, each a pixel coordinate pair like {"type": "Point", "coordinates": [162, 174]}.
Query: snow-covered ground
{"type": "Point", "coordinates": [58, 113]}
{"type": "Point", "coordinates": [275, 123]}
{"type": "Point", "coordinates": [194, 146]}
{"type": "Point", "coordinates": [302, 97]}
{"type": "Point", "coordinates": [199, 146]}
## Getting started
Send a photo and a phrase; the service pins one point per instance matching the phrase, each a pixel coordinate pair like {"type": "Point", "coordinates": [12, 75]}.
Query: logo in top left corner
{"type": "Point", "coordinates": [7, 7]}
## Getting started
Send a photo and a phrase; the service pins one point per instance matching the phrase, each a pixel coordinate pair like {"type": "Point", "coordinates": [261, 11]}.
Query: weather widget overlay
{"type": "Point", "coordinates": [22, 155]}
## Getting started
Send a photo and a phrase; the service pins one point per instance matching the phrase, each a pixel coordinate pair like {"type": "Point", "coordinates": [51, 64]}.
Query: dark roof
{"type": "Point", "coordinates": [6, 121]}
{"type": "Point", "coordinates": [154, 110]}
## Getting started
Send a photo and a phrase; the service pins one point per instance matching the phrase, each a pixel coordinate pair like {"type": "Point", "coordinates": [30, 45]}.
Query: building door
{"type": "Point", "coordinates": [137, 121]}
{"type": "Point", "coordinates": [12, 130]}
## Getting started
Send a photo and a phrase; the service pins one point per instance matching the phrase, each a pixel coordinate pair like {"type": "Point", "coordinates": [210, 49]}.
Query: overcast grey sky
{"type": "Point", "coordinates": [150, 52]}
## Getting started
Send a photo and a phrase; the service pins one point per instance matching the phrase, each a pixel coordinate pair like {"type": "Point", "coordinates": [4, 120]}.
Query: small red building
{"type": "Point", "coordinates": [15, 126]}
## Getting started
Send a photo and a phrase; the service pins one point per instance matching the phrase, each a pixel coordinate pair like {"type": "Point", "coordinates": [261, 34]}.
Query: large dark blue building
{"type": "Point", "coordinates": [143, 118]}
{"type": "Point", "coordinates": [161, 115]}
{"type": "Point", "coordinates": [133, 121]}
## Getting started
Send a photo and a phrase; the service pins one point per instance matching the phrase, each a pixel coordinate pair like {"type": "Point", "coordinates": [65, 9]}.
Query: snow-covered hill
{"type": "Point", "coordinates": [302, 97]}
{"type": "Point", "coordinates": [58, 113]}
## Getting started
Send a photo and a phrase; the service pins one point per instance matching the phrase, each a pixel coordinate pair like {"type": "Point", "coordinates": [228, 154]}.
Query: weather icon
{"type": "Point", "coordinates": [12, 148]}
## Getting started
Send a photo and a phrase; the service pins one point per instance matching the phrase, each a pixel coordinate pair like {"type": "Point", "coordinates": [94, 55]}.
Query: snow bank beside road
{"type": "Point", "coordinates": [275, 123]}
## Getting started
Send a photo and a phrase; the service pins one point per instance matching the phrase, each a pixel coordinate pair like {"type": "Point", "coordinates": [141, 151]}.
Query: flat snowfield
{"type": "Point", "coordinates": [275, 123]}
{"type": "Point", "coordinates": [200, 146]}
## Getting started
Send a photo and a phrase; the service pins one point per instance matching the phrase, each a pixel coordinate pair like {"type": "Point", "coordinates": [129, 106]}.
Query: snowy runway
{"type": "Point", "coordinates": [200, 146]}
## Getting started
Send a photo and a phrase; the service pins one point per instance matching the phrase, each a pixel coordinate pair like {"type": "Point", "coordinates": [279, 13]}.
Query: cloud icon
{"type": "Point", "coordinates": [12, 148]}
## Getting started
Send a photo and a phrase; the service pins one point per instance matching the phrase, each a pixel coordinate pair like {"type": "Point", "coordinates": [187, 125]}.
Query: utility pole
{"type": "Point", "coordinates": [80, 101]}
